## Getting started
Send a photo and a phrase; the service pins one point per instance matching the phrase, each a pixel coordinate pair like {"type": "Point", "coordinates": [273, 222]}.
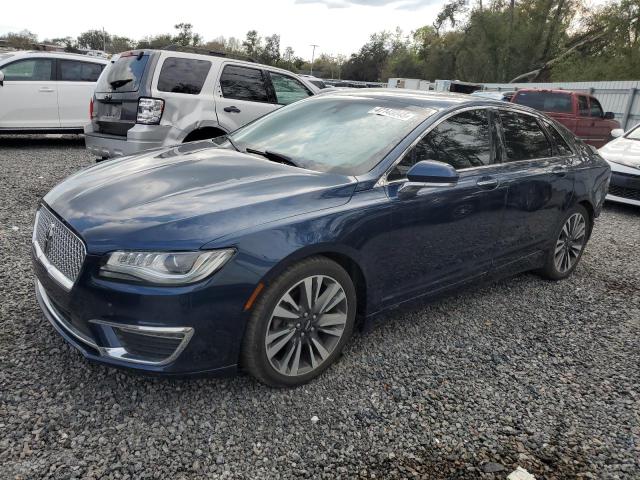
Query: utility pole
{"type": "Point", "coordinates": [313, 54]}
{"type": "Point", "coordinates": [104, 40]}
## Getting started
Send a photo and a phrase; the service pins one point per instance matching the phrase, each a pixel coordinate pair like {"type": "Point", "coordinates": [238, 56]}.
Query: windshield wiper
{"type": "Point", "coordinates": [120, 83]}
{"type": "Point", "coordinates": [273, 156]}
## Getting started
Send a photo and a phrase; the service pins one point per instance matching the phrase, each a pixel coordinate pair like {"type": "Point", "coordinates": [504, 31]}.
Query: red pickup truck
{"type": "Point", "coordinates": [579, 112]}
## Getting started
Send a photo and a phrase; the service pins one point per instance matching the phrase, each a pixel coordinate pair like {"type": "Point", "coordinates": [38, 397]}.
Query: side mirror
{"type": "Point", "coordinates": [609, 115]}
{"type": "Point", "coordinates": [617, 132]}
{"type": "Point", "coordinates": [428, 173]}
{"type": "Point", "coordinates": [1, 78]}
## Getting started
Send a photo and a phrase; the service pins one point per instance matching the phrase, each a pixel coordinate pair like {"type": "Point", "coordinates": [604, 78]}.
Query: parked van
{"type": "Point", "coordinates": [153, 98]}
{"type": "Point", "coordinates": [46, 92]}
{"type": "Point", "coordinates": [579, 112]}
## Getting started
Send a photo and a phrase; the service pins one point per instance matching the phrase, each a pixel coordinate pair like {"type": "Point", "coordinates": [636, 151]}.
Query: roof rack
{"type": "Point", "coordinates": [203, 51]}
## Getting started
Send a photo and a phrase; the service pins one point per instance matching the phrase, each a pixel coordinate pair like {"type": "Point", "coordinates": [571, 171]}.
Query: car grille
{"type": "Point", "coordinates": [60, 246]}
{"type": "Point", "coordinates": [625, 192]}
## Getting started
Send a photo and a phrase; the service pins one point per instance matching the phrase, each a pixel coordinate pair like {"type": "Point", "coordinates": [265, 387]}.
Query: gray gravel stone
{"type": "Point", "coordinates": [522, 372]}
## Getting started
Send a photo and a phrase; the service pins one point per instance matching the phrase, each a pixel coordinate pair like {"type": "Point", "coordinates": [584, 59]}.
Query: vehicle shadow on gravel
{"type": "Point", "coordinates": [19, 142]}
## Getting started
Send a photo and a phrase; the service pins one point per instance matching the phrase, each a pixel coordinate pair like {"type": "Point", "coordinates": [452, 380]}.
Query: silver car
{"type": "Point", "coordinates": [153, 98]}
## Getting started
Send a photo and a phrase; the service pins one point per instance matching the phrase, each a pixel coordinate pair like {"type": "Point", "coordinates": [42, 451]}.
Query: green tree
{"type": "Point", "coordinates": [23, 40]}
{"type": "Point", "coordinates": [186, 37]}
{"type": "Point", "coordinates": [93, 39]}
{"type": "Point", "coordinates": [252, 43]}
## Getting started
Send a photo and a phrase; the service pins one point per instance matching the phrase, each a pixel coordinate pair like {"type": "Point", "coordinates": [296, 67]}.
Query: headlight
{"type": "Point", "coordinates": [165, 268]}
{"type": "Point", "coordinates": [150, 110]}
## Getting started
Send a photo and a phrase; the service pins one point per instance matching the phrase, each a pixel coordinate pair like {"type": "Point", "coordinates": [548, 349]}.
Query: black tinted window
{"type": "Point", "coordinates": [583, 106]}
{"type": "Point", "coordinates": [74, 71]}
{"type": "Point", "coordinates": [596, 109]}
{"type": "Point", "coordinates": [31, 70]}
{"type": "Point", "coordinates": [124, 75]}
{"type": "Point", "coordinates": [523, 137]}
{"type": "Point", "coordinates": [243, 84]}
{"type": "Point", "coordinates": [183, 75]}
{"type": "Point", "coordinates": [561, 145]}
{"type": "Point", "coordinates": [545, 101]}
{"type": "Point", "coordinates": [462, 141]}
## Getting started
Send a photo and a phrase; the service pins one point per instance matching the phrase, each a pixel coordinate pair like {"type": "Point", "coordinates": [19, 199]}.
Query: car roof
{"type": "Point", "coordinates": [41, 53]}
{"type": "Point", "coordinates": [417, 98]}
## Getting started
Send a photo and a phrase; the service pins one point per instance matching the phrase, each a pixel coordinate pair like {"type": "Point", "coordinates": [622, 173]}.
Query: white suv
{"type": "Point", "coordinates": [154, 98]}
{"type": "Point", "coordinates": [46, 92]}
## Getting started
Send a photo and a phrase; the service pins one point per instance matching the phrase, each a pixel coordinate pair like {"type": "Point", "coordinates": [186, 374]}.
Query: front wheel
{"type": "Point", "coordinates": [566, 252]}
{"type": "Point", "coordinates": [301, 323]}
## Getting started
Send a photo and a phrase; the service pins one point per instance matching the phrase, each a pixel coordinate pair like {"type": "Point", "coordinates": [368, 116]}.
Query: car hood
{"type": "Point", "coordinates": [186, 196]}
{"type": "Point", "coordinates": [622, 149]}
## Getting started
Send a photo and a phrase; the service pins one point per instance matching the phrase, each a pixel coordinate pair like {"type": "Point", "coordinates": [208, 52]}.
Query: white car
{"type": "Point", "coordinates": [623, 155]}
{"type": "Point", "coordinates": [46, 92]}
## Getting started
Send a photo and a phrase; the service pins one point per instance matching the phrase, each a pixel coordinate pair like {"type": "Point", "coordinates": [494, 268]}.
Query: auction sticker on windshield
{"type": "Point", "coordinates": [398, 114]}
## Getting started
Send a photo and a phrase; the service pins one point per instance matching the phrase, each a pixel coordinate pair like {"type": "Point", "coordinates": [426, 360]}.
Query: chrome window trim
{"type": "Point", "coordinates": [382, 181]}
{"type": "Point", "coordinates": [52, 271]}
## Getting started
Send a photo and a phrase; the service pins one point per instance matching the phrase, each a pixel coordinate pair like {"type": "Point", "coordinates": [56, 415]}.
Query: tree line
{"type": "Point", "coordinates": [476, 41]}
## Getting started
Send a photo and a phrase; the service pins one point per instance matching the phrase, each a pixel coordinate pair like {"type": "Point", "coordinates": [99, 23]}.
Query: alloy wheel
{"type": "Point", "coordinates": [306, 325]}
{"type": "Point", "coordinates": [570, 243]}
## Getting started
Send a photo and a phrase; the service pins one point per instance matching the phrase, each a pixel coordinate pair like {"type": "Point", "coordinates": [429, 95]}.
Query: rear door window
{"type": "Point", "coordinates": [74, 71]}
{"type": "Point", "coordinates": [583, 106]}
{"type": "Point", "coordinates": [243, 83]}
{"type": "Point", "coordinates": [561, 144]}
{"type": "Point", "coordinates": [30, 70]}
{"type": "Point", "coordinates": [183, 75]}
{"type": "Point", "coordinates": [524, 139]}
{"type": "Point", "coordinates": [124, 75]}
{"type": "Point", "coordinates": [545, 101]}
{"type": "Point", "coordinates": [288, 89]}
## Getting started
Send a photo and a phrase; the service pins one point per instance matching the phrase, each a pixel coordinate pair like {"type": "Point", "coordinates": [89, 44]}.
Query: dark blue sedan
{"type": "Point", "coordinates": [263, 249]}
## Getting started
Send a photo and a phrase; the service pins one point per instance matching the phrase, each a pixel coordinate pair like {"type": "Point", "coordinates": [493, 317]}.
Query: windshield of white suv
{"type": "Point", "coordinates": [337, 134]}
{"type": "Point", "coordinates": [124, 74]}
{"type": "Point", "coordinates": [634, 134]}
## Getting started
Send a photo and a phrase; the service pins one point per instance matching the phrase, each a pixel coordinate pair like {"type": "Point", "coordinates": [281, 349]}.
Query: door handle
{"type": "Point", "coordinates": [46, 90]}
{"type": "Point", "coordinates": [231, 109]}
{"type": "Point", "coordinates": [488, 183]}
{"type": "Point", "coordinates": [559, 171]}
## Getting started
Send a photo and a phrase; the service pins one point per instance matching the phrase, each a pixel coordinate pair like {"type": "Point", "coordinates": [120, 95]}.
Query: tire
{"type": "Point", "coordinates": [562, 258]}
{"type": "Point", "coordinates": [309, 344]}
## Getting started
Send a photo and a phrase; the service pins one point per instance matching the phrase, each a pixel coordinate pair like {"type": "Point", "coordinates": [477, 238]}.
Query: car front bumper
{"type": "Point", "coordinates": [187, 330]}
{"type": "Point", "coordinates": [625, 185]}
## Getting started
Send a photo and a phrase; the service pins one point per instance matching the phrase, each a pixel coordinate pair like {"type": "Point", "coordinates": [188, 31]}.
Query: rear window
{"type": "Point", "coordinates": [124, 74]}
{"type": "Point", "coordinates": [243, 83]}
{"type": "Point", "coordinates": [545, 101]}
{"type": "Point", "coordinates": [75, 71]}
{"type": "Point", "coordinates": [183, 75]}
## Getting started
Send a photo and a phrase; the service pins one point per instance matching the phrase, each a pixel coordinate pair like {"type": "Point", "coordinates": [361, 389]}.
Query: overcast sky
{"type": "Point", "coordinates": [338, 26]}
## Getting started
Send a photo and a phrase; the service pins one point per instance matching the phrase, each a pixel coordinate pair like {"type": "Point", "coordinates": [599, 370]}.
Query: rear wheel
{"type": "Point", "coordinates": [301, 323]}
{"type": "Point", "coordinates": [566, 251]}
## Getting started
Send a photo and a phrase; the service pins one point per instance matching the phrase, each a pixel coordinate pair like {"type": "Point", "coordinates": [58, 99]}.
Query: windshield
{"type": "Point", "coordinates": [545, 101]}
{"type": "Point", "coordinates": [634, 134]}
{"type": "Point", "coordinates": [337, 134]}
{"type": "Point", "coordinates": [123, 75]}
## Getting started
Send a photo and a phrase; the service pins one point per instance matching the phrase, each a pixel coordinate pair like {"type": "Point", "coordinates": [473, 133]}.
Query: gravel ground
{"type": "Point", "coordinates": [522, 372]}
